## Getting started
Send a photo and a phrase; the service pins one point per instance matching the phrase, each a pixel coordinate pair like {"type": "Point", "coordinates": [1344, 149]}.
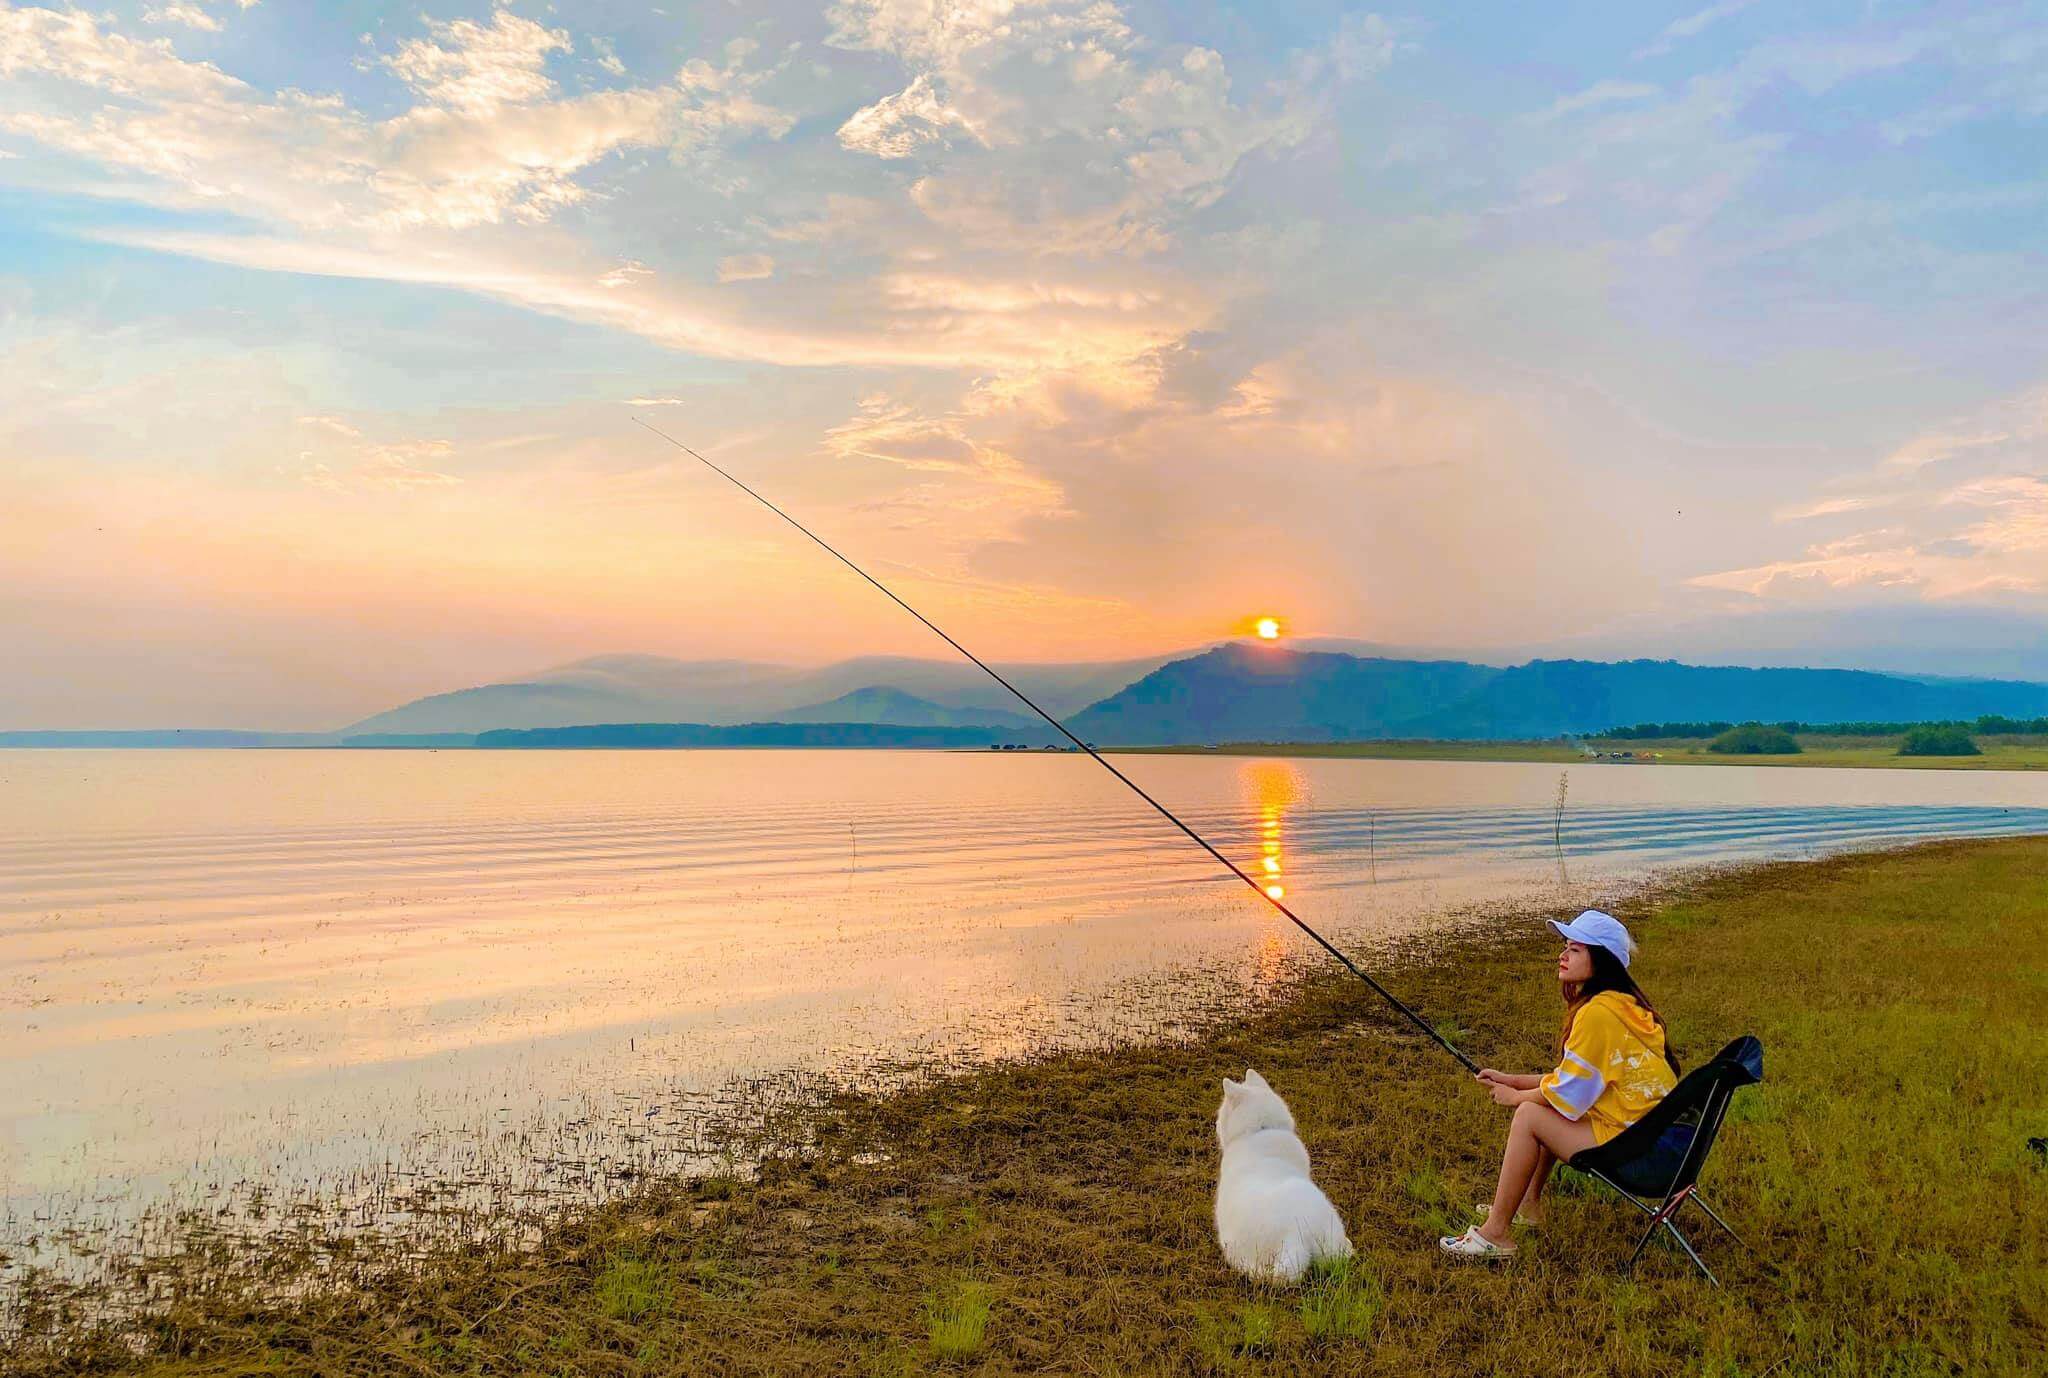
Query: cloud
{"type": "Point", "coordinates": [970, 260]}
{"type": "Point", "coordinates": [2017, 520]}
{"type": "Point", "coordinates": [1364, 44]}
{"type": "Point", "coordinates": [399, 466]}
{"type": "Point", "coordinates": [1955, 534]}
{"type": "Point", "coordinates": [967, 492]}
{"type": "Point", "coordinates": [1691, 26]}
{"type": "Point", "coordinates": [1999, 55]}
{"type": "Point", "coordinates": [71, 45]}
{"type": "Point", "coordinates": [1594, 97]}
{"type": "Point", "coordinates": [188, 15]}
{"type": "Point", "coordinates": [745, 268]}
{"type": "Point", "coordinates": [331, 423]}
{"type": "Point", "coordinates": [489, 141]}
{"type": "Point", "coordinates": [999, 95]}
{"type": "Point", "coordinates": [899, 125]}
{"type": "Point", "coordinates": [477, 68]}
{"type": "Point", "coordinates": [675, 316]}
{"type": "Point", "coordinates": [719, 103]}
{"type": "Point", "coordinates": [2018, 420]}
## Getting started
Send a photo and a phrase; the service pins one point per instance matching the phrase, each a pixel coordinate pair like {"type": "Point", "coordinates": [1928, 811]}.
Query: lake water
{"type": "Point", "coordinates": [239, 980]}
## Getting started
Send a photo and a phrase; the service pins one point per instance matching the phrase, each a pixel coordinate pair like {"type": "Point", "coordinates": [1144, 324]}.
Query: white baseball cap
{"type": "Point", "coordinates": [1597, 929]}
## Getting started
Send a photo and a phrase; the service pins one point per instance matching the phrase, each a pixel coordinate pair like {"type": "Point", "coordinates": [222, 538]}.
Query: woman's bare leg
{"type": "Point", "coordinates": [1535, 1128]}
{"type": "Point", "coordinates": [1531, 1209]}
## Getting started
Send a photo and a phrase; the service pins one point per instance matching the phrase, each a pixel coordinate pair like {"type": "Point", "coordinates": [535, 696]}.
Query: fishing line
{"type": "Point", "coordinates": [1168, 814]}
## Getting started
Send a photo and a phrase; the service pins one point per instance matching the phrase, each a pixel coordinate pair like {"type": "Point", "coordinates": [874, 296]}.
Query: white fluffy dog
{"type": "Point", "coordinates": [1271, 1219]}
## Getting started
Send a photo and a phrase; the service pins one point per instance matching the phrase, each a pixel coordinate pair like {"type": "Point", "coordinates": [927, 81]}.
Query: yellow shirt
{"type": "Point", "coordinates": [1613, 1069]}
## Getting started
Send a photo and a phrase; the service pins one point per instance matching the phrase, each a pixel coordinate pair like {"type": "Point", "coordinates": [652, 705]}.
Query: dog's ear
{"type": "Point", "coordinates": [1231, 1088]}
{"type": "Point", "coordinates": [1252, 1078]}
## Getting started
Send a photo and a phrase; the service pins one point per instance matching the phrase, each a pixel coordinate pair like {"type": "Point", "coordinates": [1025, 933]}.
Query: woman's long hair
{"type": "Point", "coordinates": [1608, 974]}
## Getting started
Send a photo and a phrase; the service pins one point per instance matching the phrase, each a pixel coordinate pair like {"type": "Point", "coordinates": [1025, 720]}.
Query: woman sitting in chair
{"type": "Point", "coordinates": [1613, 1066]}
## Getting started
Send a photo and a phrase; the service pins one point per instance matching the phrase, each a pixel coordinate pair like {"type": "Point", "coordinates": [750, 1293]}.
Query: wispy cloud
{"type": "Point", "coordinates": [2019, 420]}
{"type": "Point", "coordinates": [1594, 97]}
{"type": "Point", "coordinates": [190, 16]}
{"type": "Point", "coordinates": [1691, 26]}
{"type": "Point", "coordinates": [403, 466]}
{"type": "Point", "coordinates": [745, 268]}
{"type": "Point", "coordinates": [625, 274]}
{"type": "Point", "coordinates": [1954, 533]}
{"type": "Point", "coordinates": [334, 424]}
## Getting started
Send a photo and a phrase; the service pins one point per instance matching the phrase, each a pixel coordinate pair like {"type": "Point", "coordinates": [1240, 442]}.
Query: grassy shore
{"type": "Point", "coordinates": [1999, 753]}
{"type": "Point", "coordinates": [1054, 1216]}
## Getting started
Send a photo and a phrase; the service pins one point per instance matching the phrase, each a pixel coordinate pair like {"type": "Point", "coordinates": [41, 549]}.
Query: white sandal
{"type": "Point", "coordinates": [1482, 1209]}
{"type": "Point", "coordinates": [1473, 1244]}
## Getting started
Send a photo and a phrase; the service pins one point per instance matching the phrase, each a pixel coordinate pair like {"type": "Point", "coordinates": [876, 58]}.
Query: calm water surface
{"type": "Point", "coordinates": [276, 976]}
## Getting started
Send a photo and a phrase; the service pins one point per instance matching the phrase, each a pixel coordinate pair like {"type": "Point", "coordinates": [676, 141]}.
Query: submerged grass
{"type": "Point", "coordinates": [1054, 1216]}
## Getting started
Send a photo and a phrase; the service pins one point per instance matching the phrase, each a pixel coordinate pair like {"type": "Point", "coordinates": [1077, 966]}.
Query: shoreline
{"type": "Point", "coordinates": [1054, 1211]}
{"type": "Point", "coordinates": [1996, 755]}
{"type": "Point", "coordinates": [1821, 752]}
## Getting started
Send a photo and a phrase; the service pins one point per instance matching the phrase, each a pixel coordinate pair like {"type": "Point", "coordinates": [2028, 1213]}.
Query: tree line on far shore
{"type": "Point", "coordinates": [1777, 739]}
{"type": "Point", "coordinates": [1989, 725]}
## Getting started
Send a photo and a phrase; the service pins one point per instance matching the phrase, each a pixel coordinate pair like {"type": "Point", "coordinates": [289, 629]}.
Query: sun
{"type": "Point", "coordinates": [1268, 628]}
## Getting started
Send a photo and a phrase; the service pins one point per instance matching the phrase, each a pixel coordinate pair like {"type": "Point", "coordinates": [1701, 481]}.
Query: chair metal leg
{"type": "Point", "coordinates": [1686, 1245]}
{"type": "Point", "coordinates": [1637, 1252]}
{"type": "Point", "coordinates": [1661, 1218]}
{"type": "Point", "coordinates": [1716, 1218]}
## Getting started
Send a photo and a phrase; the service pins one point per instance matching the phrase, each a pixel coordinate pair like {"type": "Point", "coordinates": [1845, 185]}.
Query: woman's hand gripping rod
{"type": "Point", "coordinates": [1417, 1020]}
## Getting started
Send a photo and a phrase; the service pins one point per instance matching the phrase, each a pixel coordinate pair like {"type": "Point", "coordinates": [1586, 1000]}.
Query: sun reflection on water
{"type": "Point", "coordinates": [1271, 787]}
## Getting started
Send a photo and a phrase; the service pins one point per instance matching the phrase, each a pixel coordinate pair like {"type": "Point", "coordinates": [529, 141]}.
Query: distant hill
{"type": "Point", "coordinates": [893, 706]}
{"type": "Point", "coordinates": [1241, 693]}
{"type": "Point", "coordinates": [638, 688]}
{"type": "Point", "coordinates": [1546, 697]}
{"type": "Point", "coordinates": [769, 734]}
{"type": "Point", "coordinates": [1252, 693]}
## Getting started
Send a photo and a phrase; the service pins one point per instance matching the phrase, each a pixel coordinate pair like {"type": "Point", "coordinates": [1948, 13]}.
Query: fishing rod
{"type": "Point", "coordinates": [1164, 812]}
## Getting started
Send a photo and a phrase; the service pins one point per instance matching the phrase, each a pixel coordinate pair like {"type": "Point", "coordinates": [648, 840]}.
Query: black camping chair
{"type": "Point", "coordinates": [1658, 1158]}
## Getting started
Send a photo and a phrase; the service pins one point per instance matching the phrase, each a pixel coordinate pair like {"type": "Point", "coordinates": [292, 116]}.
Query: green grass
{"type": "Point", "coordinates": [957, 1322]}
{"type": "Point", "coordinates": [1342, 1302]}
{"type": "Point", "coordinates": [632, 1289]}
{"type": "Point", "coordinates": [1881, 1171]}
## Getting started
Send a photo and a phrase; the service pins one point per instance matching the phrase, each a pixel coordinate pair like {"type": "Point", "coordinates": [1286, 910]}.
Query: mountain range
{"type": "Point", "coordinates": [1251, 693]}
{"type": "Point", "coordinates": [1232, 692]}
{"type": "Point", "coordinates": [644, 688]}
